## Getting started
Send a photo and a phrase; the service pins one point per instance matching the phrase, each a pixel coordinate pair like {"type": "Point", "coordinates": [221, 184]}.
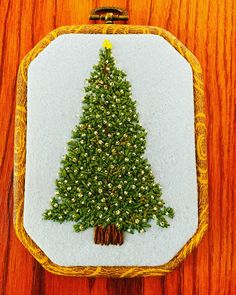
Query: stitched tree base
{"type": "Point", "coordinates": [108, 236]}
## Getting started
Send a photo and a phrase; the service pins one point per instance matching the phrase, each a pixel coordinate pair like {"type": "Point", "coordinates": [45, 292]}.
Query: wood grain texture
{"type": "Point", "coordinates": [208, 28]}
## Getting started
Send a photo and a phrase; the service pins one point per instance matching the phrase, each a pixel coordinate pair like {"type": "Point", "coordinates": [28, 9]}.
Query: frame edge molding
{"type": "Point", "coordinates": [20, 156]}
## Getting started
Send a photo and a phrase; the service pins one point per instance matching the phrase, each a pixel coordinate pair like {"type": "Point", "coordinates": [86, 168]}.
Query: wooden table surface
{"type": "Point", "coordinates": [208, 29]}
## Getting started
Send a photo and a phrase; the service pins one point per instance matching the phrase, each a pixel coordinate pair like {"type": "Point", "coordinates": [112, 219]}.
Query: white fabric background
{"type": "Point", "coordinates": [162, 85]}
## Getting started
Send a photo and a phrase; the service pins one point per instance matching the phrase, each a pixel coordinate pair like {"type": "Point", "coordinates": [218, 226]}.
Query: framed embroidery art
{"type": "Point", "coordinates": [110, 174]}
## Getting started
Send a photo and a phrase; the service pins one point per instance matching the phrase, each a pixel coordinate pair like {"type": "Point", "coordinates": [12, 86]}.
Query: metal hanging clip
{"type": "Point", "coordinates": [109, 14]}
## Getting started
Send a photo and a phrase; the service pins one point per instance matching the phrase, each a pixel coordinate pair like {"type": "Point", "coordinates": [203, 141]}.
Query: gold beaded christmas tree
{"type": "Point", "coordinates": [104, 181]}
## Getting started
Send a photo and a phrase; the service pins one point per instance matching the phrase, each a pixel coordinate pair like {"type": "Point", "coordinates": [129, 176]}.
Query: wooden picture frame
{"type": "Point", "coordinates": [20, 156]}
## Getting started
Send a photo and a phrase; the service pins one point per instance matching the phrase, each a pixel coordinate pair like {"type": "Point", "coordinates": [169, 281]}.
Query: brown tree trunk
{"type": "Point", "coordinates": [108, 236]}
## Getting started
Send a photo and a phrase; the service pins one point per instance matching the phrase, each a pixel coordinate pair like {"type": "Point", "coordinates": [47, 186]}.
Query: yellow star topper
{"type": "Point", "coordinates": [107, 44]}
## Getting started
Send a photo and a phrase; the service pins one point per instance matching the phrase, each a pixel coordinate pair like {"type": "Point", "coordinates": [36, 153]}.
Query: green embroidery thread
{"type": "Point", "coordinates": [104, 181]}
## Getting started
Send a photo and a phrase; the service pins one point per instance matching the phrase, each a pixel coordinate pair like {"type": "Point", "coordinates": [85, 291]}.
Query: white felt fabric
{"type": "Point", "coordinates": [162, 85]}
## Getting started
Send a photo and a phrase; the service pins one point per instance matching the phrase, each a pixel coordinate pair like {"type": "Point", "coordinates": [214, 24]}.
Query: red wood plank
{"type": "Point", "coordinates": [208, 29]}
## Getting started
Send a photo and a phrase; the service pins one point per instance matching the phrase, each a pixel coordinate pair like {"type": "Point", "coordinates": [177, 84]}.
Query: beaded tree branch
{"type": "Point", "coordinates": [104, 181]}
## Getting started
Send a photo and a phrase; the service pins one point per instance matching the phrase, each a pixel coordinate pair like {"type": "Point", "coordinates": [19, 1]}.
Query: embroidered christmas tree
{"type": "Point", "coordinates": [104, 180]}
